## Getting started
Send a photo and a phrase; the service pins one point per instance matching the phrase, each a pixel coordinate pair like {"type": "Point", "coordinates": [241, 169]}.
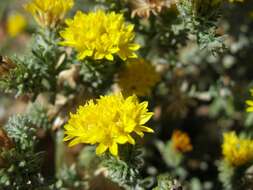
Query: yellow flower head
{"type": "Point", "coordinates": [250, 103]}
{"type": "Point", "coordinates": [16, 23]}
{"type": "Point", "coordinates": [237, 151]}
{"type": "Point", "coordinates": [138, 77]}
{"type": "Point", "coordinates": [48, 13]}
{"type": "Point", "coordinates": [100, 35]}
{"type": "Point", "coordinates": [181, 141]}
{"type": "Point", "coordinates": [108, 121]}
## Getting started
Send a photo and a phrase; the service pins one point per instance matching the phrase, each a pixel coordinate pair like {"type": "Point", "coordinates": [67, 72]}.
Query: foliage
{"type": "Point", "coordinates": [38, 116]}
{"type": "Point", "coordinates": [37, 72]}
{"type": "Point", "coordinates": [125, 171]}
{"type": "Point", "coordinates": [165, 181]}
{"type": "Point", "coordinates": [22, 163]}
{"type": "Point", "coordinates": [69, 179]}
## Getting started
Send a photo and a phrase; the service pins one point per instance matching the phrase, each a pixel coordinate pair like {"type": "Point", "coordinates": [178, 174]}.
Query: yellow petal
{"type": "Point", "coordinates": [109, 57]}
{"type": "Point", "coordinates": [249, 109]}
{"type": "Point", "coordinates": [74, 142]}
{"type": "Point", "coordinates": [130, 125]}
{"type": "Point", "coordinates": [99, 56]}
{"type": "Point", "coordinates": [82, 55]}
{"type": "Point", "coordinates": [249, 102]}
{"type": "Point", "coordinates": [134, 47]}
{"type": "Point", "coordinates": [114, 149]}
{"type": "Point", "coordinates": [131, 140]}
{"type": "Point", "coordinates": [122, 139]}
{"type": "Point", "coordinates": [67, 138]}
{"type": "Point", "coordinates": [138, 132]}
{"type": "Point", "coordinates": [146, 129]}
{"type": "Point", "coordinates": [101, 148]}
{"type": "Point", "coordinates": [145, 118]}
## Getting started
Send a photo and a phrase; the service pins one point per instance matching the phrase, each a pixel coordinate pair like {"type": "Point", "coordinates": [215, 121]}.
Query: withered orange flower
{"type": "Point", "coordinates": [143, 8]}
{"type": "Point", "coordinates": [5, 142]}
{"type": "Point", "coordinates": [5, 65]}
{"type": "Point", "coordinates": [181, 142]}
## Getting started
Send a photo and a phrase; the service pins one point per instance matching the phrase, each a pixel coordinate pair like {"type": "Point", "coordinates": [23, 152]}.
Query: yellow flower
{"type": "Point", "coordinates": [250, 103]}
{"type": "Point", "coordinates": [48, 13]}
{"type": "Point", "coordinates": [107, 122]}
{"type": "Point", "coordinates": [16, 23]}
{"type": "Point", "coordinates": [100, 35]}
{"type": "Point", "coordinates": [138, 77]}
{"type": "Point", "coordinates": [181, 142]}
{"type": "Point", "coordinates": [237, 151]}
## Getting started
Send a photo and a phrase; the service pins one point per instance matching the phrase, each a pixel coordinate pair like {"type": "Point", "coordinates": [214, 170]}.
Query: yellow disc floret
{"type": "Point", "coordinates": [138, 77]}
{"type": "Point", "coordinates": [237, 151]}
{"type": "Point", "coordinates": [100, 35]}
{"type": "Point", "coordinates": [48, 13]}
{"type": "Point", "coordinates": [107, 122]}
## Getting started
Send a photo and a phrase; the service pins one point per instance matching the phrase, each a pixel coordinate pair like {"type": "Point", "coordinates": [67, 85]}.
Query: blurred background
{"type": "Point", "coordinates": [203, 91]}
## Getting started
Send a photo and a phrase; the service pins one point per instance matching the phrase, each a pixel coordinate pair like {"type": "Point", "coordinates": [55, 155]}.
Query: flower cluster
{"type": "Point", "coordinates": [181, 142]}
{"type": "Point", "coordinates": [16, 23]}
{"type": "Point", "coordinates": [100, 35]}
{"type": "Point", "coordinates": [48, 13]}
{"type": "Point", "coordinates": [109, 121]}
{"type": "Point", "coordinates": [236, 150]}
{"type": "Point", "coordinates": [138, 77]}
